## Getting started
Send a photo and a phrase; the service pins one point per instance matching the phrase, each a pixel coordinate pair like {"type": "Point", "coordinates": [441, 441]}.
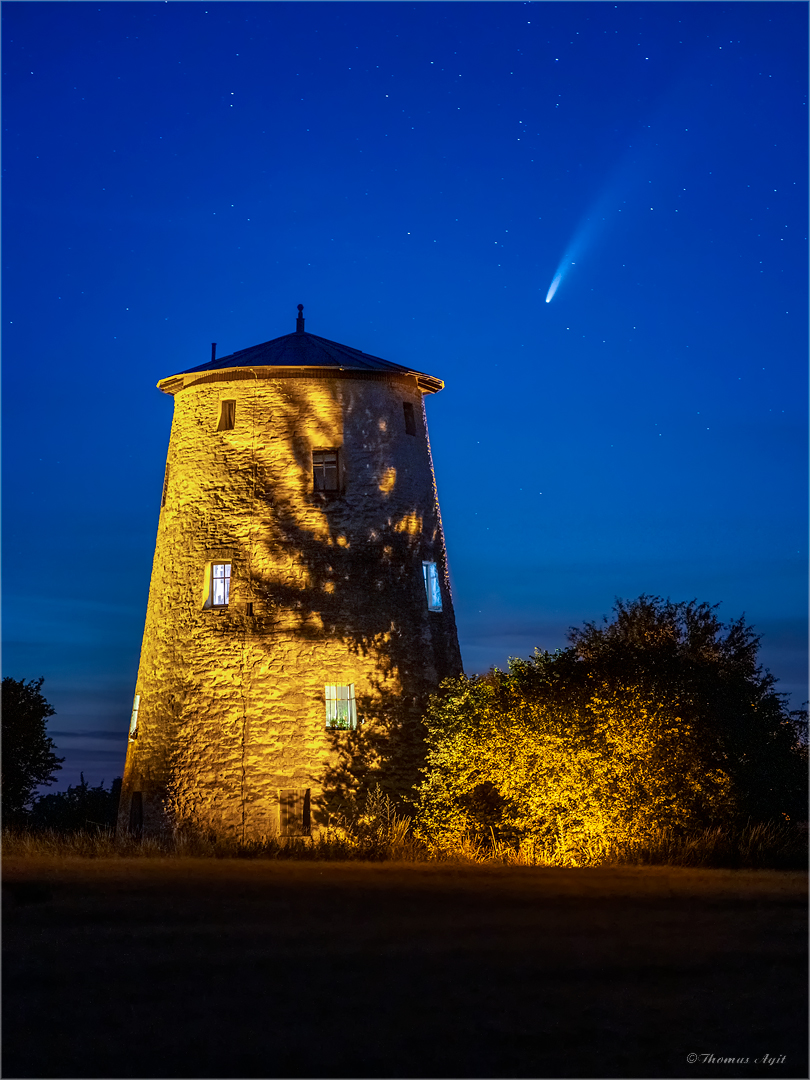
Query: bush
{"type": "Point", "coordinates": [658, 722]}
{"type": "Point", "coordinates": [621, 769]}
{"type": "Point", "coordinates": [683, 652]}
{"type": "Point", "coordinates": [79, 808]}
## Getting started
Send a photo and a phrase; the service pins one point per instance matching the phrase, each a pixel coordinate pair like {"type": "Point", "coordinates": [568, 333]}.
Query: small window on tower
{"type": "Point", "coordinates": [410, 418]}
{"type": "Point", "coordinates": [341, 709]}
{"type": "Point", "coordinates": [434, 593]}
{"type": "Point", "coordinates": [133, 723]}
{"type": "Point", "coordinates": [165, 486]}
{"type": "Point", "coordinates": [220, 584]}
{"type": "Point", "coordinates": [325, 470]}
{"type": "Point", "coordinates": [227, 415]}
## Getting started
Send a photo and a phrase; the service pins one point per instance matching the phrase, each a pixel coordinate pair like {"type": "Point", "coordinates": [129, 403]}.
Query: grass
{"type": "Point", "coordinates": [228, 967]}
{"type": "Point", "coordinates": [329, 845]}
{"type": "Point", "coordinates": [754, 846]}
{"type": "Point", "coordinates": [764, 846]}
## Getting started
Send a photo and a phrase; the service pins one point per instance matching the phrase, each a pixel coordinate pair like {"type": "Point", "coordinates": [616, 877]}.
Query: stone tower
{"type": "Point", "coordinates": [299, 610]}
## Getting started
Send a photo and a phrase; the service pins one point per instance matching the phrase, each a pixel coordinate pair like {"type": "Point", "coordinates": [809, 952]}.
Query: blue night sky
{"type": "Point", "coordinates": [416, 175]}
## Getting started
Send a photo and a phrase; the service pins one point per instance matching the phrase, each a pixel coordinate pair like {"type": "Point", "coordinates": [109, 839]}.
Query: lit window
{"type": "Point", "coordinates": [434, 593]}
{"type": "Point", "coordinates": [220, 584]}
{"type": "Point", "coordinates": [227, 415]}
{"type": "Point", "coordinates": [410, 418]}
{"type": "Point", "coordinates": [133, 723]}
{"type": "Point", "coordinates": [325, 470]}
{"type": "Point", "coordinates": [341, 709]}
{"type": "Point", "coordinates": [294, 814]}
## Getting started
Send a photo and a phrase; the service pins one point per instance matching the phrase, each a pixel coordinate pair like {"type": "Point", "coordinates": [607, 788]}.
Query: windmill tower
{"type": "Point", "coordinates": [299, 610]}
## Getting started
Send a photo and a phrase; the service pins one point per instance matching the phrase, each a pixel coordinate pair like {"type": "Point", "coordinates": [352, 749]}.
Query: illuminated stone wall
{"type": "Point", "coordinates": [232, 701]}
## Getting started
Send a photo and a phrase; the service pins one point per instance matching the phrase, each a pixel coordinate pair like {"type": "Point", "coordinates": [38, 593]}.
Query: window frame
{"type": "Point", "coordinates": [432, 581]}
{"type": "Point", "coordinates": [211, 578]}
{"type": "Point", "coordinates": [333, 702]}
{"type": "Point", "coordinates": [410, 417]}
{"type": "Point", "coordinates": [322, 451]}
{"type": "Point", "coordinates": [227, 412]}
{"type": "Point", "coordinates": [133, 720]}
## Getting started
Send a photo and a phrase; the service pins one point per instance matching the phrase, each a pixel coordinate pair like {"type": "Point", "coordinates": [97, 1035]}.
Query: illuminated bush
{"type": "Point", "coordinates": [616, 770]}
{"type": "Point", "coordinates": [659, 720]}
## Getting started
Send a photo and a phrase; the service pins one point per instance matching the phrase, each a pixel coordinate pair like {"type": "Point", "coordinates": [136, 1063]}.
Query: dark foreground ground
{"type": "Point", "coordinates": [226, 968]}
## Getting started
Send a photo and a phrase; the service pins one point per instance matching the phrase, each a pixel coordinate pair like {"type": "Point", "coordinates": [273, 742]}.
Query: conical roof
{"type": "Point", "coordinates": [304, 350]}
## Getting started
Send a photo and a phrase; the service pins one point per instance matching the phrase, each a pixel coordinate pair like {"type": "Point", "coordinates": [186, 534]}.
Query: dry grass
{"type": "Point", "coordinates": [754, 846]}
{"type": "Point", "coordinates": [332, 845]}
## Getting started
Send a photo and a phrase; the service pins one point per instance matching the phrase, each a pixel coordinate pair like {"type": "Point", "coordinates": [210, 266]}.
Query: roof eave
{"type": "Point", "coordinates": [173, 384]}
{"type": "Point", "coordinates": [428, 384]}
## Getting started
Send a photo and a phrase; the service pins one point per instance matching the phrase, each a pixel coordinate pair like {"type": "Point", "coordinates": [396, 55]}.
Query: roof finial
{"type": "Point", "coordinates": [299, 322]}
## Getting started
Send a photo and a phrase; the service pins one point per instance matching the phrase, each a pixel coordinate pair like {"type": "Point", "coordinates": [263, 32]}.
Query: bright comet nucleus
{"type": "Point", "coordinates": [565, 265]}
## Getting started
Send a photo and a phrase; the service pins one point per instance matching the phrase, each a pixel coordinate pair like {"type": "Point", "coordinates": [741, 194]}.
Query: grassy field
{"type": "Point", "coordinates": [191, 967]}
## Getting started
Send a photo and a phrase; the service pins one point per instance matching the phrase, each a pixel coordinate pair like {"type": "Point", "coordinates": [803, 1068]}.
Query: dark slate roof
{"type": "Point", "coordinates": [301, 349]}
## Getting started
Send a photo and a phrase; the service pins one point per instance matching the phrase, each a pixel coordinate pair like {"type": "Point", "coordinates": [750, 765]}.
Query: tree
{"type": "Point", "coordinates": [713, 670]}
{"type": "Point", "coordinates": [80, 807]}
{"type": "Point", "coordinates": [659, 718]}
{"type": "Point", "coordinates": [28, 753]}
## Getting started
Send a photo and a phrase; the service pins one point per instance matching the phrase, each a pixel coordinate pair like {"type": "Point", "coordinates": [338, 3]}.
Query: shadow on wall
{"type": "Point", "coordinates": [347, 567]}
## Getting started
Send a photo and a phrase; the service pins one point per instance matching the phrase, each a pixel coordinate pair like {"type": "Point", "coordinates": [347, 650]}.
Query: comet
{"type": "Point", "coordinates": [553, 286]}
{"type": "Point", "coordinates": [572, 253]}
{"type": "Point", "coordinates": [562, 270]}
{"type": "Point", "coordinates": [582, 239]}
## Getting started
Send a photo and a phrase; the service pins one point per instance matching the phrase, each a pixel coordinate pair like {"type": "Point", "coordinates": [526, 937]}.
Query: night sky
{"type": "Point", "coordinates": [416, 175]}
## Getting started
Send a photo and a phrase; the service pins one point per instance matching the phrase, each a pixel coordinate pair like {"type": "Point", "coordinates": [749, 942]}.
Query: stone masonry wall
{"type": "Point", "coordinates": [326, 588]}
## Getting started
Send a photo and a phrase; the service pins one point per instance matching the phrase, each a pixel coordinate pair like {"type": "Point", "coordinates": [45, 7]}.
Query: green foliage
{"type": "Point", "coordinates": [618, 767]}
{"type": "Point", "coordinates": [373, 827]}
{"type": "Point", "coordinates": [28, 753]}
{"type": "Point", "coordinates": [712, 669]}
{"type": "Point", "coordinates": [659, 720]}
{"type": "Point", "coordinates": [80, 807]}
